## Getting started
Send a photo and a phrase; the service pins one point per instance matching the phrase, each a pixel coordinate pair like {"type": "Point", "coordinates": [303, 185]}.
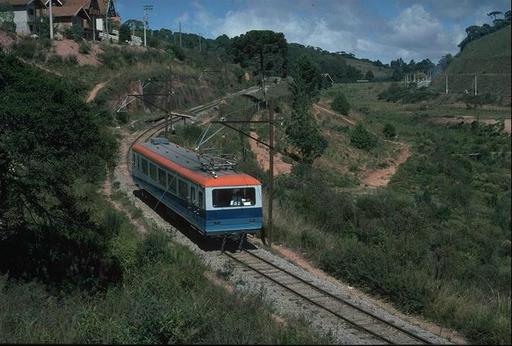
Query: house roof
{"type": "Point", "coordinates": [71, 8]}
{"type": "Point", "coordinates": [19, 2]}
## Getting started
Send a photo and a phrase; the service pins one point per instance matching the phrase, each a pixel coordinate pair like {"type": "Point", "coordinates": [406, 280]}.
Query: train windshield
{"type": "Point", "coordinates": [237, 197]}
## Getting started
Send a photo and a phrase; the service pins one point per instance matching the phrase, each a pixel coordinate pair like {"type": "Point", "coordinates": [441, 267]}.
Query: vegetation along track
{"type": "Point", "coordinates": [194, 111]}
{"type": "Point", "coordinates": [365, 321]}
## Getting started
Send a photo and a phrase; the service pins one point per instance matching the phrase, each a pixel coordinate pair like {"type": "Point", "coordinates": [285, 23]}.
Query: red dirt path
{"type": "Point", "coordinates": [381, 177]}
{"type": "Point", "coordinates": [261, 153]}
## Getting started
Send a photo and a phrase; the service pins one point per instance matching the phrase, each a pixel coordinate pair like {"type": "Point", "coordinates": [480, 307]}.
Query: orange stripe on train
{"type": "Point", "coordinates": [240, 179]}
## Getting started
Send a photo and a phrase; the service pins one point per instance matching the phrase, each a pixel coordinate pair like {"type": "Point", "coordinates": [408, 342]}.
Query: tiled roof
{"type": "Point", "coordinates": [70, 8]}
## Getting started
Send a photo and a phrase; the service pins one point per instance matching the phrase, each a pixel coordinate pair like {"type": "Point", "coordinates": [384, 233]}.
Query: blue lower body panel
{"type": "Point", "coordinates": [247, 220]}
{"type": "Point", "coordinates": [211, 222]}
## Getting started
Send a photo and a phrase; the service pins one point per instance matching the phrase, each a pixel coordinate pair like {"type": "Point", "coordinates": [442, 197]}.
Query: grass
{"type": "Point", "coordinates": [164, 297]}
{"type": "Point", "coordinates": [436, 241]}
{"type": "Point", "coordinates": [490, 54]}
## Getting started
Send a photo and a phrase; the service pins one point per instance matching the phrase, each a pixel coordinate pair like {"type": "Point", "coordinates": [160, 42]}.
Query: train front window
{"type": "Point", "coordinates": [237, 197]}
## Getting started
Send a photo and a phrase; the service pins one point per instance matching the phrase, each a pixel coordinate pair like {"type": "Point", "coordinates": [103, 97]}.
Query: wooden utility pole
{"type": "Point", "coordinates": [271, 171]}
{"type": "Point", "coordinates": [168, 100]}
{"type": "Point", "coordinates": [266, 233]}
{"type": "Point", "coordinates": [147, 8]}
{"type": "Point", "coordinates": [51, 20]}
{"type": "Point", "coordinates": [180, 33]}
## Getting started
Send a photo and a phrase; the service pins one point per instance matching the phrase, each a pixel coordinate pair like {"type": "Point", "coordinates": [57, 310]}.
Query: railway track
{"type": "Point", "coordinates": [151, 131]}
{"type": "Point", "coordinates": [160, 125]}
{"type": "Point", "coordinates": [378, 329]}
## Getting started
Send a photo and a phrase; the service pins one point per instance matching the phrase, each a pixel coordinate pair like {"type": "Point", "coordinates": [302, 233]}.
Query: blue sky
{"type": "Point", "coordinates": [374, 29]}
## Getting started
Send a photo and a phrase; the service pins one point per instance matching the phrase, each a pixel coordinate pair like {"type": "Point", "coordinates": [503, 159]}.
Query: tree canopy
{"type": "Point", "coordinates": [475, 32]}
{"type": "Point", "coordinates": [262, 50]}
{"type": "Point", "coordinates": [302, 129]}
{"type": "Point", "coordinates": [51, 146]}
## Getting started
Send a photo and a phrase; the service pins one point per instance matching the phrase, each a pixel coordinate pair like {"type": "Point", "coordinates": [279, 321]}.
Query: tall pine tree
{"type": "Point", "coordinates": [302, 129]}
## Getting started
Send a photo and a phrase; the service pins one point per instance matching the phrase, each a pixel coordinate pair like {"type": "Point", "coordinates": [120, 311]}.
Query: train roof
{"type": "Point", "coordinates": [186, 163]}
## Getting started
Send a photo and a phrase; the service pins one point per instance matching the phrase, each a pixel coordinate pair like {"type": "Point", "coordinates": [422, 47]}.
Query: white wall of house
{"type": "Point", "coordinates": [99, 24]}
{"type": "Point", "coordinates": [21, 20]}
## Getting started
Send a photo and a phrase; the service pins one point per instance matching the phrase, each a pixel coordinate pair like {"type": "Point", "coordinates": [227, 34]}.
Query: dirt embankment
{"type": "Point", "coordinates": [5, 41]}
{"type": "Point", "coordinates": [66, 48]}
{"type": "Point", "coordinates": [381, 177]}
{"type": "Point", "coordinates": [94, 91]}
{"type": "Point", "coordinates": [262, 156]}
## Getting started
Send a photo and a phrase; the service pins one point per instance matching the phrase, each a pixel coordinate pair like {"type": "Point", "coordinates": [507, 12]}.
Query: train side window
{"type": "Point", "coordinates": [200, 199]}
{"type": "Point", "coordinates": [134, 160]}
{"type": "Point", "coordinates": [182, 189]}
{"type": "Point", "coordinates": [144, 165]}
{"type": "Point", "coordinates": [152, 171]}
{"type": "Point", "coordinates": [162, 177]}
{"type": "Point", "coordinates": [193, 194]}
{"type": "Point", "coordinates": [171, 183]}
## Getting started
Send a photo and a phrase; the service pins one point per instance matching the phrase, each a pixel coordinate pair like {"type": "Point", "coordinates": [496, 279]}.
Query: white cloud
{"type": "Point", "coordinates": [415, 27]}
{"type": "Point", "coordinates": [416, 32]}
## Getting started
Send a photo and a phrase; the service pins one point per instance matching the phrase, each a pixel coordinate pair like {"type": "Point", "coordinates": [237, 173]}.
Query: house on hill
{"type": "Point", "coordinates": [90, 15]}
{"type": "Point", "coordinates": [26, 13]}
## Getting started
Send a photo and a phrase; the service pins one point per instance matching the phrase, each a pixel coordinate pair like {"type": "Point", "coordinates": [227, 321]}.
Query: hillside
{"type": "Point", "coordinates": [341, 68]}
{"type": "Point", "coordinates": [379, 72]}
{"type": "Point", "coordinates": [489, 57]}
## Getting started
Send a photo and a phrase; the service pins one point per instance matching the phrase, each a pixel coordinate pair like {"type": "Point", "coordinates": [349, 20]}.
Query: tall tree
{"type": "Point", "coordinates": [50, 144]}
{"type": "Point", "coordinates": [263, 51]}
{"type": "Point", "coordinates": [302, 129]}
{"type": "Point", "coordinates": [124, 33]}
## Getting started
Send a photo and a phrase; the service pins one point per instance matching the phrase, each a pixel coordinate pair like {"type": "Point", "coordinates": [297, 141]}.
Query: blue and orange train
{"type": "Point", "coordinates": [216, 203]}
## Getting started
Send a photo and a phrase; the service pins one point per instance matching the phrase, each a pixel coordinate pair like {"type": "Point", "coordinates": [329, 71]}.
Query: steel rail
{"type": "Point", "coordinates": [311, 301]}
{"type": "Point", "coordinates": [341, 300]}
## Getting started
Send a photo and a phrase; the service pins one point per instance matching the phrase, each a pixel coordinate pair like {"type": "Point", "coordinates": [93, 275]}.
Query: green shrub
{"type": "Point", "coordinates": [55, 59]}
{"type": "Point", "coordinates": [389, 131]}
{"type": "Point", "coordinates": [409, 94]}
{"type": "Point", "coordinates": [122, 117]}
{"type": "Point", "coordinates": [9, 27]}
{"type": "Point", "coordinates": [85, 48]}
{"type": "Point", "coordinates": [75, 33]}
{"type": "Point", "coordinates": [178, 53]}
{"type": "Point", "coordinates": [361, 138]}
{"type": "Point", "coordinates": [71, 59]}
{"type": "Point", "coordinates": [340, 104]}
{"type": "Point", "coordinates": [26, 48]}
{"type": "Point", "coordinates": [472, 101]}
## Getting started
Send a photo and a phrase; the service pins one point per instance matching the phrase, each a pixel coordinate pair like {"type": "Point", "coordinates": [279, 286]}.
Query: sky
{"type": "Point", "coordinates": [373, 29]}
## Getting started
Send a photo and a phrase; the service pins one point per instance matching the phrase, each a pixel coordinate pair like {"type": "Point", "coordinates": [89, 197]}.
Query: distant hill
{"type": "Point", "coordinates": [489, 58]}
{"type": "Point", "coordinates": [379, 72]}
{"type": "Point", "coordinates": [341, 68]}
